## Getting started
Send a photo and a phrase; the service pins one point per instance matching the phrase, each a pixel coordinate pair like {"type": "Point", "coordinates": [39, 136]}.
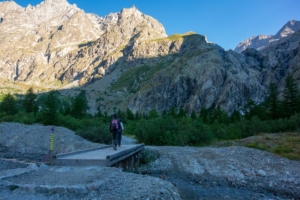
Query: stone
{"type": "Point", "coordinates": [261, 173]}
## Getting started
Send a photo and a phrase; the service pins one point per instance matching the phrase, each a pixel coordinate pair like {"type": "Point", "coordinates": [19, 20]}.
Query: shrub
{"type": "Point", "coordinates": [25, 118]}
{"type": "Point", "coordinates": [156, 131]}
{"type": "Point", "coordinates": [98, 134]}
{"type": "Point", "coordinates": [69, 122]}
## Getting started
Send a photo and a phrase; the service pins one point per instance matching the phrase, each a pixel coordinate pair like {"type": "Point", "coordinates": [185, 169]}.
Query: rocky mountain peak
{"type": "Point", "coordinates": [290, 27]}
{"type": "Point", "coordinates": [8, 6]}
{"type": "Point", "coordinates": [262, 41]}
{"type": "Point", "coordinates": [133, 11]}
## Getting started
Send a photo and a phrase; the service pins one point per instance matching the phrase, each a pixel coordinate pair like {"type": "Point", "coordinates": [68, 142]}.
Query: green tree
{"type": "Point", "coordinates": [235, 116]}
{"type": "Point", "coordinates": [253, 109]}
{"type": "Point", "coordinates": [164, 114]}
{"type": "Point", "coordinates": [290, 96]}
{"type": "Point", "coordinates": [204, 115]}
{"type": "Point", "coordinates": [172, 113]}
{"type": "Point", "coordinates": [49, 112]}
{"type": "Point", "coordinates": [129, 114]}
{"type": "Point", "coordinates": [219, 116]}
{"type": "Point", "coordinates": [137, 115]}
{"type": "Point", "coordinates": [272, 101]}
{"type": "Point", "coordinates": [181, 113]}
{"type": "Point", "coordinates": [79, 105]}
{"type": "Point", "coordinates": [193, 115]}
{"type": "Point", "coordinates": [29, 102]}
{"type": "Point", "coordinates": [9, 104]}
{"type": "Point", "coordinates": [121, 115]}
{"type": "Point", "coordinates": [65, 107]}
{"type": "Point", "coordinates": [153, 114]}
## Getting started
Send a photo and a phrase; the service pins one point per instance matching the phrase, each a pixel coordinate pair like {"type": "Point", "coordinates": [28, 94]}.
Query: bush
{"type": "Point", "coordinates": [69, 122]}
{"type": "Point", "coordinates": [98, 134]}
{"type": "Point", "coordinates": [204, 134]}
{"type": "Point", "coordinates": [25, 118]}
{"type": "Point", "coordinates": [156, 131]}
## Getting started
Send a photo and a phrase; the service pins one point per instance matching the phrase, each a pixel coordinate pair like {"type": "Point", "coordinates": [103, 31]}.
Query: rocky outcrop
{"type": "Point", "coordinates": [208, 76]}
{"type": "Point", "coordinates": [262, 41]}
{"type": "Point", "coordinates": [40, 47]}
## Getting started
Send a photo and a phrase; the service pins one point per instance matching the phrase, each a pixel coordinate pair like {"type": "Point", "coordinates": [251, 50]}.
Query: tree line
{"type": "Point", "coordinates": [173, 127]}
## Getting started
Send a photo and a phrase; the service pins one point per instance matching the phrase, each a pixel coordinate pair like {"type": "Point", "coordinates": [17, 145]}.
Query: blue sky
{"type": "Point", "coordinates": [224, 22]}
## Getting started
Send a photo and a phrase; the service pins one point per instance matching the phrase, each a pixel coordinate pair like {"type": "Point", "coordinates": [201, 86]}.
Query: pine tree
{"type": "Point", "coordinates": [164, 114]}
{"type": "Point", "coordinates": [137, 115]}
{"type": "Point", "coordinates": [172, 113]}
{"type": "Point", "coordinates": [49, 112]}
{"type": "Point", "coordinates": [181, 113]}
{"type": "Point", "coordinates": [272, 101]}
{"type": "Point", "coordinates": [29, 101]}
{"type": "Point", "coordinates": [193, 115]}
{"type": "Point", "coordinates": [79, 105]}
{"type": "Point", "coordinates": [235, 116]}
{"type": "Point", "coordinates": [153, 114]}
{"type": "Point", "coordinates": [129, 114]}
{"type": "Point", "coordinates": [290, 96]}
{"type": "Point", "coordinates": [204, 115]}
{"type": "Point", "coordinates": [9, 104]}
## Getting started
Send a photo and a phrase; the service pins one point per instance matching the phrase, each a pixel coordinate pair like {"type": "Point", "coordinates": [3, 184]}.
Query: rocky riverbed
{"type": "Point", "coordinates": [225, 173]}
{"type": "Point", "coordinates": [174, 172]}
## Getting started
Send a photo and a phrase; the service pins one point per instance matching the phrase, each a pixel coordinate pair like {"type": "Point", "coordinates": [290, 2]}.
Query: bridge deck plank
{"type": "Point", "coordinates": [98, 156]}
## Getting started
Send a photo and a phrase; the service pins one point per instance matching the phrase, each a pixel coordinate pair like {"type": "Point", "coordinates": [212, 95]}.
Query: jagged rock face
{"type": "Point", "coordinates": [203, 77]}
{"type": "Point", "coordinates": [48, 43]}
{"type": "Point", "coordinates": [129, 55]}
{"type": "Point", "coordinates": [209, 76]}
{"type": "Point", "coordinates": [262, 41]}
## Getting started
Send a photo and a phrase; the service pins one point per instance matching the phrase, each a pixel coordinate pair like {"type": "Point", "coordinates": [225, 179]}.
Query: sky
{"type": "Point", "coordinates": [224, 22]}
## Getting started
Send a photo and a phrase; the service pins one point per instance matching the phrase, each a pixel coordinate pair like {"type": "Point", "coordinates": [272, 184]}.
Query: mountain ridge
{"type": "Point", "coordinates": [126, 60]}
{"type": "Point", "coordinates": [262, 41]}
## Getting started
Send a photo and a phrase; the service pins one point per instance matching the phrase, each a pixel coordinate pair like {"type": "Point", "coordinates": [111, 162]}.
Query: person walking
{"type": "Point", "coordinates": [115, 129]}
{"type": "Point", "coordinates": [120, 137]}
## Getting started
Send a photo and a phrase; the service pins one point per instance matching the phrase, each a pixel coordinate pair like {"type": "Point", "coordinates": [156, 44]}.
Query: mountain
{"type": "Point", "coordinates": [126, 60]}
{"type": "Point", "coordinates": [262, 41]}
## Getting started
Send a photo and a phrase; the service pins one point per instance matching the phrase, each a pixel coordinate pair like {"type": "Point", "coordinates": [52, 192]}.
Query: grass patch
{"type": "Point", "coordinates": [175, 37]}
{"type": "Point", "coordinates": [179, 36]}
{"type": "Point", "coordinates": [283, 149]}
{"type": "Point", "coordinates": [286, 145]}
{"type": "Point", "coordinates": [257, 145]}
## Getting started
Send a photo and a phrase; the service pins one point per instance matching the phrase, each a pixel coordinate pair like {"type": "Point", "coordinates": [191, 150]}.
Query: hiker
{"type": "Point", "coordinates": [115, 129]}
{"type": "Point", "coordinates": [120, 136]}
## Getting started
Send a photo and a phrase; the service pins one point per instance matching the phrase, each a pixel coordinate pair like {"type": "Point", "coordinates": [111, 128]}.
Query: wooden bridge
{"type": "Point", "coordinates": [125, 156]}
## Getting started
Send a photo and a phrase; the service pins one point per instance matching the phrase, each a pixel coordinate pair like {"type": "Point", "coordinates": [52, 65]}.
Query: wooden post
{"type": "Point", "coordinates": [51, 146]}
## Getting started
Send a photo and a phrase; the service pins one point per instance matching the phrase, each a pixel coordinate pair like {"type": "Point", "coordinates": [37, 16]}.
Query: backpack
{"type": "Point", "coordinates": [114, 125]}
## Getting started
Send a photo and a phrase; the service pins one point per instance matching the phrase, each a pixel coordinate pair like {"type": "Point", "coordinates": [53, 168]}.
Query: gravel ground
{"type": "Point", "coordinates": [228, 170]}
{"type": "Point", "coordinates": [175, 173]}
{"type": "Point", "coordinates": [32, 142]}
{"type": "Point", "coordinates": [88, 183]}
